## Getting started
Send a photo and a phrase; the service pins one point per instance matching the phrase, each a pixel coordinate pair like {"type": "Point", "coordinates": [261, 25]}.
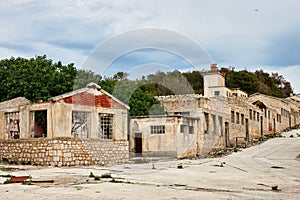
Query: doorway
{"type": "Point", "coordinates": [38, 123]}
{"type": "Point", "coordinates": [261, 126]}
{"type": "Point", "coordinates": [138, 143]}
{"type": "Point", "coordinates": [227, 134]}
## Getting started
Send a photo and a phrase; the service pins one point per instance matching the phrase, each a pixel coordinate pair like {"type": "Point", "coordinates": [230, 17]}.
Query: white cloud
{"type": "Point", "coordinates": [238, 33]}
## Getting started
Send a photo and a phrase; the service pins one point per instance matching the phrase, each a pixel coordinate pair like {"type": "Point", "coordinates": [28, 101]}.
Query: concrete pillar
{"type": "Point", "coordinates": [2, 125]}
{"type": "Point", "coordinates": [62, 120]}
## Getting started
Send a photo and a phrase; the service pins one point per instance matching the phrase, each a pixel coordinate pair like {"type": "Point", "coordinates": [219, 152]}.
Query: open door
{"type": "Point", "coordinates": [138, 143]}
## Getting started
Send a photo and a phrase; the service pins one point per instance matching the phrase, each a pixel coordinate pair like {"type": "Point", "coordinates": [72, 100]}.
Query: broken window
{"type": "Point", "coordinates": [157, 129]}
{"type": "Point", "coordinates": [237, 118]}
{"type": "Point", "coordinates": [232, 116]}
{"type": "Point", "coordinates": [191, 129]}
{"type": "Point", "coordinates": [106, 126]}
{"type": "Point", "coordinates": [12, 125]}
{"type": "Point", "coordinates": [278, 118]}
{"type": "Point", "coordinates": [206, 115]}
{"type": "Point", "coordinates": [220, 125]}
{"type": "Point", "coordinates": [217, 93]}
{"type": "Point", "coordinates": [80, 124]}
{"type": "Point", "coordinates": [182, 128]}
{"type": "Point", "coordinates": [38, 123]}
{"type": "Point", "coordinates": [213, 123]}
{"type": "Point", "coordinates": [242, 119]}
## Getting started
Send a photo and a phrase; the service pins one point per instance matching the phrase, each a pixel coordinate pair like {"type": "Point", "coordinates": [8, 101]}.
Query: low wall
{"type": "Point", "coordinates": [64, 151]}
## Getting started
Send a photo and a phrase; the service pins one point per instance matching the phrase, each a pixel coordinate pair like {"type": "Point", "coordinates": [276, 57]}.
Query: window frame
{"type": "Point", "coordinates": [105, 126]}
{"type": "Point", "coordinates": [157, 129]}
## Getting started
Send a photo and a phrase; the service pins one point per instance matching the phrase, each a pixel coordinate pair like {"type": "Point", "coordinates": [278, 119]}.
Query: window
{"type": "Point", "coordinates": [217, 93]}
{"type": "Point", "coordinates": [257, 116]}
{"type": "Point", "coordinates": [232, 116]}
{"type": "Point", "coordinates": [220, 125]}
{"type": "Point", "coordinates": [157, 129]}
{"type": "Point", "coordinates": [80, 124]}
{"type": "Point", "coordinates": [250, 114]}
{"type": "Point", "coordinates": [213, 123]}
{"type": "Point", "coordinates": [265, 113]}
{"type": "Point", "coordinates": [182, 128]}
{"type": "Point", "coordinates": [237, 118]}
{"type": "Point", "coordinates": [191, 129]}
{"type": "Point", "coordinates": [278, 118]}
{"type": "Point", "coordinates": [242, 119]}
{"type": "Point", "coordinates": [254, 115]}
{"type": "Point", "coordinates": [206, 115]}
{"type": "Point", "coordinates": [269, 114]}
{"type": "Point", "coordinates": [105, 126]}
{"type": "Point", "coordinates": [13, 125]}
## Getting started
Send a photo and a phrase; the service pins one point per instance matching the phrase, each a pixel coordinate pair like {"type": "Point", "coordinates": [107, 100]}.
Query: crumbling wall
{"type": "Point", "coordinates": [64, 151]}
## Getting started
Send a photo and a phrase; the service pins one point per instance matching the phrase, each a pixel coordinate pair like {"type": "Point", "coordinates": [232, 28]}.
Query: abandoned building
{"type": "Point", "coordinates": [223, 117]}
{"type": "Point", "coordinates": [83, 127]}
{"type": "Point", "coordinates": [90, 126]}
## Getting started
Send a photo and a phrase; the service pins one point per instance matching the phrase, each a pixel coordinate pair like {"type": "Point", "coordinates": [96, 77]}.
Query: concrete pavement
{"type": "Point", "coordinates": [248, 174]}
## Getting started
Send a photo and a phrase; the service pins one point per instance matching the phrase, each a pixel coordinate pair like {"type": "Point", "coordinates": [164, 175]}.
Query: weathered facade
{"type": "Point", "coordinates": [172, 135]}
{"type": "Point", "coordinates": [86, 126]}
{"type": "Point", "coordinates": [225, 117]}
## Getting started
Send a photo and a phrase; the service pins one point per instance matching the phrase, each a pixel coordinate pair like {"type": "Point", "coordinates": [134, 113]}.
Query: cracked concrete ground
{"type": "Point", "coordinates": [247, 174]}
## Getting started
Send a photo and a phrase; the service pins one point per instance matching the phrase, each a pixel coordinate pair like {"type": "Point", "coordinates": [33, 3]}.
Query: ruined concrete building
{"type": "Point", "coordinates": [90, 126]}
{"type": "Point", "coordinates": [223, 117]}
{"type": "Point", "coordinates": [83, 127]}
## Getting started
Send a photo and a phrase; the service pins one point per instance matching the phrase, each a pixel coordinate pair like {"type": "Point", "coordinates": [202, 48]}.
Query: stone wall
{"type": "Point", "coordinates": [64, 151]}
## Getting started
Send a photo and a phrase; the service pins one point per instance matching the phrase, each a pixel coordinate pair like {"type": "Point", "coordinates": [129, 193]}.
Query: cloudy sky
{"type": "Point", "coordinates": [134, 36]}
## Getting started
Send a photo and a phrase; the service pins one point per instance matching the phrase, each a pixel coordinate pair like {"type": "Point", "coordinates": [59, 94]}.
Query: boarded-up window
{"type": "Point", "coordinates": [106, 126]}
{"type": "Point", "coordinates": [80, 124]}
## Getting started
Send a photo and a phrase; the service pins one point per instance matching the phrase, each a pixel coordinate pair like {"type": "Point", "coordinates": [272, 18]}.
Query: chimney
{"type": "Point", "coordinates": [214, 68]}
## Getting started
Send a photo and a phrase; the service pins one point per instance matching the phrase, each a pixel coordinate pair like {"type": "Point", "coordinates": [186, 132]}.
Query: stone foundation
{"type": "Point", "coordinates": [64, 151]}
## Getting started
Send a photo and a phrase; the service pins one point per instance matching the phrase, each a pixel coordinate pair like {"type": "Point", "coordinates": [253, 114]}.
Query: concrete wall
{"type": "Point", "coordinates": [174, 142]}
{"type": "Point", "coordinates": [285, 110]}
{"type": "Point", "coordinates": [64, 151]}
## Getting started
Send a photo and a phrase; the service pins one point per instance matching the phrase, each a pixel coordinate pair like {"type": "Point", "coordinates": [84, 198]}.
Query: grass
{"type": "Point", "coordinates": [5, 169]}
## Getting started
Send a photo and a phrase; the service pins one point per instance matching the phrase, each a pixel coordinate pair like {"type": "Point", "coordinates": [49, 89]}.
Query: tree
{"type": "Point", "coordinates": [84, 77]}
{"type": "Point", "coordinates": [35, 78]}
